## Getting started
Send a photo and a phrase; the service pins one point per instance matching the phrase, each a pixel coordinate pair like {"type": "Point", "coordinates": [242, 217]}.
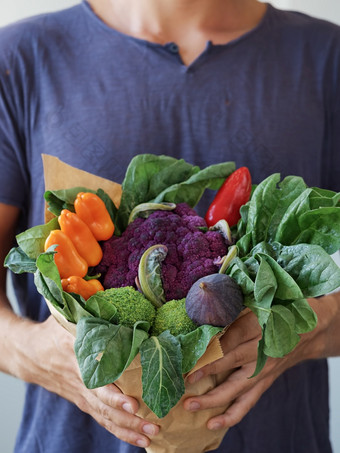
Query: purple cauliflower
{"type": "Point", "coordinates": [192, 253]}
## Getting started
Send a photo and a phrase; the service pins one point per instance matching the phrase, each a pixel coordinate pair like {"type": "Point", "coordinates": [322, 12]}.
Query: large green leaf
{"type": "Point", "coordinates": [261, 357]}
{"type": "Point", "coordinates": [264, 291]}
{"type": "Point", "coordinates": [262, 205]}
{"type": "Point", "coordinates": [280, 336]}
{"type": "Point", "coordinates": [288, 190]}
{"type": "Point", "coordinates": [146, 176]}
{"type": "Point", "coordinates": [32, 241]}
{"type": "Point", "coordinates": [191, 190]}
{"type": "Point", "coordinates": [101, 307]}
{"type": "Point", "coordinates": [289, 229]}
{"type": "Point", "coordinates": [194, 345]}
{"type": "Point", "coordinates": [265, 283]}
{"type": "Point", "coordinates": [323, 198]}
{"type": "Point", "coordinates": [48, 283]}
{"type": "Point", "coordinates": [152, 178]}
{"type": "Point", "coordinates": [163, 383]}
{"type": "Point", "coordinates": [239, 272]}
{"type": "Point", "coordinates": [311, 267]}
{"type": "Point", "coordinates": [48, 269]}
{"type": "Point", "coordinates": [76, 307]}
{"type": "Point", "coordinates": [321, 227]}
{"type": "Point", "coordinates": [105, 350]}
{"type": "Point", "coordinates": [18, 262]}
{"type": "Point", "coordinates": [57, 200]}
{"type": "Point", "coordinates": [305, 318]}
{"type": "Point", "coordinates": [287, 288]}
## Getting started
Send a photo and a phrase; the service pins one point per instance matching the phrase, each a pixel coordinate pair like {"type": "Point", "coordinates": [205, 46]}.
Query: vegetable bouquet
{"type": "Point", "coordinates": [152, 297]}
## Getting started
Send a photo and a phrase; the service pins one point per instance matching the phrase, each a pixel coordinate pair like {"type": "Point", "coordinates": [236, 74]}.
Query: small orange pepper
{"type": "Point", "coordinates": [67, 259]}
{"type": "Point", "coordinates": [92, 210]}
{"type": "Point", "coordinates": [80, 234]}
{"type": "Point", "coordinates": [85, 288]}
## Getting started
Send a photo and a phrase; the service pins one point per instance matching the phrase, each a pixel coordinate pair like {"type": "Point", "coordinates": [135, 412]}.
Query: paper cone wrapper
{"type": "Point", "coordinates": [180, 431]}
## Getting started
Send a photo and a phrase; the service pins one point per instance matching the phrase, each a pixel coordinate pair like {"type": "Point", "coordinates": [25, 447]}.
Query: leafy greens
{"type": "Point", "coordinates": [284, 239]}
{"type": "Point", "coordinates": [286, 234]}
{"type": "Point", "coordinates": [103, 348]}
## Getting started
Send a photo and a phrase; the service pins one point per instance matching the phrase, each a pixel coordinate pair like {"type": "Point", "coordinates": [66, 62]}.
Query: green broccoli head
{"type": "Point", "coordinates": [172, 316]}
{"type": "Point", "coordinates": [131, 306]}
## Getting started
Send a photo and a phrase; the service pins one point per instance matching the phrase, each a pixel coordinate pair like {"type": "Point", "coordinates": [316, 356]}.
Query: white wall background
{"type": "Point", "coordinates": [12, 390]}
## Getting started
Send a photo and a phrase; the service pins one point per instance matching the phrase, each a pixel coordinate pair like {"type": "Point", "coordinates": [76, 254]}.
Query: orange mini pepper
{"type": "Point", "coordinates": [67, 259]}
{"type": "Point", "coordinates": [86, 244]}
{"type": "Point", "coordinates": [92, 210]}
{"type": "Point", "coordinates": [85, 288]}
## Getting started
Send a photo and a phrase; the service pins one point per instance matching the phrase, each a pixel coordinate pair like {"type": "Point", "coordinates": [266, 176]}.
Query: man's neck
{"type": "Point", "coordinates": [189, 23]}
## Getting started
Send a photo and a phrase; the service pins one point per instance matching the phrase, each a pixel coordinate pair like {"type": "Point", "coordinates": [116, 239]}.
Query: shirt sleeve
{"type": "Point", "coordinates": [330, 164]}
{"type": "Point", "coordinates": [334, 179]}
{"type": "Point", "coordinates": [14, 177]}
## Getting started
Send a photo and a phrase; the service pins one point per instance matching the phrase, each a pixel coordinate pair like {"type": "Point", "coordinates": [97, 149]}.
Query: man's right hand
{"type": "Point", "coordinates": [53, 365]}
{"type": "Point", "coordinates": [43, 354]}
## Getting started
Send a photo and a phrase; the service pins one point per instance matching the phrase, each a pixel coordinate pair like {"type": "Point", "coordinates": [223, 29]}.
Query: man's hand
{"type": "Point", "coordinates": [48, 360]}
{"type": "Point", "coordinates": [239, 344]}
{"type": "Point", "coordinates": [43, 354]}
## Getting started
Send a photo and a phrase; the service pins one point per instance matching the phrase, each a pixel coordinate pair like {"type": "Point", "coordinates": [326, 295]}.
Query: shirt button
{"type": "Point", "coordinates": [173, 47]}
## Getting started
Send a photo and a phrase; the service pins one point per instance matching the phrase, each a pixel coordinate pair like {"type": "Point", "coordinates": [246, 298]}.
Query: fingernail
{"type": "Point", "coordinates": [194, 406]}
{"type": "Point", "coordinates": [127, 408]}
{"type": "Point", "coordinates": [196, 376]}
{"type": "Point", "coordinates": [142, 443]}
{"type": "Point", "coordinates": [149, 429]}
{"type": "Point", "coordinates": [215, 426]}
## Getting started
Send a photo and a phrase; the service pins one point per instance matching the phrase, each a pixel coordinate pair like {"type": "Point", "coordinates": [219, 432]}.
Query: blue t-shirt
{"type": "Point", "coordinates": [72, 87]}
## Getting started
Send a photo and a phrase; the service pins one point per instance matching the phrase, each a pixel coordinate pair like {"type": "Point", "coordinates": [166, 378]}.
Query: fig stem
{"type": "Point", "coordinates": [203, 285]}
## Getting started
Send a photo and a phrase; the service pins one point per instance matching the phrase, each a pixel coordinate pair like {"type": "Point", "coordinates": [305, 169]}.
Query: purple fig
{"type": "Point", "coordinates": [215, 299]}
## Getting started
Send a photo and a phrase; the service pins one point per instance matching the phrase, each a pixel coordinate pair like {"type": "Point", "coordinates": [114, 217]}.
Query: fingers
{"type": "Point", "coordinates": [224, 393]}
{"type": "Point", "coordinates": [113, 397]}
{"type": "Point", "coordinates": [244, 354]}
{"type": "Point", "coordinates": [56, 369]}
{"type": "Point", "coordinates": [115, 412]}
{"type": "Point", "coordinates": [237, 410]}
{"type": "Point", "coordinates": [238, 392]}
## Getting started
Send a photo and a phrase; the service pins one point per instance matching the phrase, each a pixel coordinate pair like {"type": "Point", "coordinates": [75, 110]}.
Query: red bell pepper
{"type": "Point", "coordinates": [234, 192]}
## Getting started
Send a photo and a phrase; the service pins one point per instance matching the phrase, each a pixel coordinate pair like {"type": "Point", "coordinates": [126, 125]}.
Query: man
{"type": "Point", "coordinates": [206, 81]}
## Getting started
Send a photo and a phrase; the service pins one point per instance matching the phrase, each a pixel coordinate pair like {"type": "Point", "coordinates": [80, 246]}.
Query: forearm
{"type": "Point", "coordinates": [14, 341]}
{"type": "Point", "coordinates": [326, 338]}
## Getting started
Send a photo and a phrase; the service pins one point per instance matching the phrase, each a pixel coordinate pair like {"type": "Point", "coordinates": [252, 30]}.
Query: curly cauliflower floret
{"type": "Point", "coordinates": [131, 306]}
{"type": "Point", "coordinates": [172, 316]}
{"type": "Point", "coordinates": [191, 250]}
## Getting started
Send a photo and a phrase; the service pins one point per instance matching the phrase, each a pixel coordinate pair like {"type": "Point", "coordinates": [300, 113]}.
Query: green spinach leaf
{"type": "Point", "coordinates": [105, 350]}
{"type": "Point", "coordinates": [289, 227]}
{"type": "Point", "coordinates": [239, 272]}
{"type": "Point", "coordinates": [18, 262]}
{"type": "Point", "coordinates": [287, 288]}
{"type": "Point", "coordinates": [280, 336]}
{"type": "Point", "coordinates": [311, 267]}
{"type": "Point", "coordinates": [261, 357]}
{"type": "Point", "coordinates": [262, 205]}
{"type": "Point", "coordinates": [194, 345]}
{"type": "Point", "coordinates": [32, 241]}
{"type": "Point", "coordinates": [321, 227]}
{"type": "Point", "coordinates": [163, 383]}
{"type": "Point", "coordinates": [48, 269]}
{"type": "Point", "coordinates": [76, 306]}
{"type": "Point", "coordinates": [305, 318]}
{"type": "Point", "coordinates": [191, 190]}
{"type": "Point", "coordinates": [58, 200]}
{"type": "Point", "coordinates": [101, 307]}
{"type": "Point", "coordinates": [152, 178]}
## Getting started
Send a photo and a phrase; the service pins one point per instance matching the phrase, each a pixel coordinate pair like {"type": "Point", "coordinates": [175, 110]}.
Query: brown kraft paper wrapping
{"type": "Point", "coordinates": [181, 431]}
